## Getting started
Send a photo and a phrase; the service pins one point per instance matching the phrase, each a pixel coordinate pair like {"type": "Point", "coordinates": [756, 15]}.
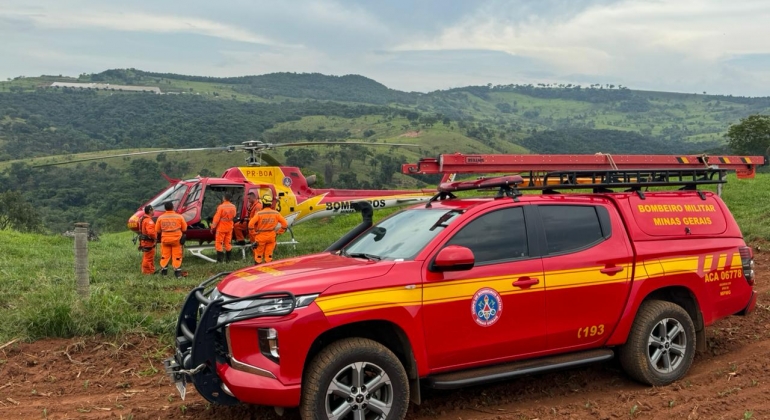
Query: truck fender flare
{"type": "Point", "coordinates": [642, 291]}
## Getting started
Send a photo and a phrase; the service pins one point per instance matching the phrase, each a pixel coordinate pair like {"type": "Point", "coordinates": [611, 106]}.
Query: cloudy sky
{"type": "Point", "coordinates": [718, 46]}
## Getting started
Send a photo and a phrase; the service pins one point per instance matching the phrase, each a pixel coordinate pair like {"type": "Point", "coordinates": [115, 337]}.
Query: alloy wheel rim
{"type": "Point", "coordinates": [666, 345]}
{"type": "Point", "coordinates": [359, 391]}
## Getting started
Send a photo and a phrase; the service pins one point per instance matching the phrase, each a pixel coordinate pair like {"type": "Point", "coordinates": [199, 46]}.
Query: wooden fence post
{"type": "Point", "coordinates": [81, 259]}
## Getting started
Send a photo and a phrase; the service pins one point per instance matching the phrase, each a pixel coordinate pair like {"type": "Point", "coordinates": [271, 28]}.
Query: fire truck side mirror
{"type": "Point", "coordinates": [453, 258]}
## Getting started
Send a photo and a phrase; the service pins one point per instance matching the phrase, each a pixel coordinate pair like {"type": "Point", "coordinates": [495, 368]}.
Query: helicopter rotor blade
{"type": "Point", "coordinates": [270, 160]}
{"type": "Point", "coordinates": [321, 143]}
{"type": "Point", "coordinates": [226, 148]}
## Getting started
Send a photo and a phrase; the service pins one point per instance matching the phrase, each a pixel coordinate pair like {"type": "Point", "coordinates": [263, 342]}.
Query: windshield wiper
{"type": "Point", "coordinates": [370, 257]}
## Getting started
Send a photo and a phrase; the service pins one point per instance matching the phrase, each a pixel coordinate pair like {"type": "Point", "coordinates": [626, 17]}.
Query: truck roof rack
{"type": "Point", "coordinates": [599, 181]}
{"type": "Point", "coordinates": [744, 166]}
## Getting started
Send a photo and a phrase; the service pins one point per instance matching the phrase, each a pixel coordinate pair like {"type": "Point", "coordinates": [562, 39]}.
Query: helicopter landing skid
{"type": "Point", "coordinates": [197, 251]}
{"type": "Point", "coordinates": [293, 242]}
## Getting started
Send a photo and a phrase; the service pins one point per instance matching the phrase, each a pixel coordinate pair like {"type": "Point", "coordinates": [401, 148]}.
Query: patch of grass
{"type": "Point", "coordinates": [38, 298]}
{"type": "Point", "coordinates": [149, 371]}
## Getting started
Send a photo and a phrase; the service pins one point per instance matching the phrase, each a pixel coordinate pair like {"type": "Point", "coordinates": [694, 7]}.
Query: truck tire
{"type": "Point", "coordinates": [661, 345]}
{"type": "Point", "coordinates": [356, 376]}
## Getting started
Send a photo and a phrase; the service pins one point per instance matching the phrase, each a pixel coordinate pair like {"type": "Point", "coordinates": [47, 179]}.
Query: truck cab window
{"type": "Point", "coordinates": [570, 228]}
{"type": "Point", "coordinates": [495, 236]}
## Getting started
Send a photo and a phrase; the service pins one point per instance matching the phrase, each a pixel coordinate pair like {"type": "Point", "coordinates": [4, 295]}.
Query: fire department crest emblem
{"type": "Point", "coordinates": [486, 307]}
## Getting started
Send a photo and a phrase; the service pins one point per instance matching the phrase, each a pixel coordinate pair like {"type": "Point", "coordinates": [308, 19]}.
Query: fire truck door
{"type": "Point", "coordinates": [494, 310]}
{"type": "Point", "coordinates": [588, 261]}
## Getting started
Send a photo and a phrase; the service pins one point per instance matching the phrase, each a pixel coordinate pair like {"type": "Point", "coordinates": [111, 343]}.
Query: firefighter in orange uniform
{"type": "Point", "coordinates": [147, 241]}
{"type": "Point", "coordinates": [223, 224]}
{"type": "Point", "coordinates": [171, 228]}
{"type": "Point", "coordinates": [242, 227]}
{"type": "Point", "coordinates": [265, 228]}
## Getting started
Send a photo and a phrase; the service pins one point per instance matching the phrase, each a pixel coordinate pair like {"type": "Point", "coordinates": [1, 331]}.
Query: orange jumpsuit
{"type": "Point", "coordinates": [242, 227]}
{"type": "Point", "coordinates": [264, 226]}
{"type": "Point", "coordinates": [223, 223]}
{"type": "Point", "coordinates": [147, 244]}
{"type": "Point", "coordinates": [172, 226]}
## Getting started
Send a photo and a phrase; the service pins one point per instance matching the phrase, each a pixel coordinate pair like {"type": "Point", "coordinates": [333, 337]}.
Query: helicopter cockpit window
{"type": "Point", "coordinates": [173, 194]}
{"type": "Point", "coordinates": [194, 195]}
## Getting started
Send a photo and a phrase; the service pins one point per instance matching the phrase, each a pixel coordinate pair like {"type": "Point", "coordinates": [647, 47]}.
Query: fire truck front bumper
{"type": "Point", "coordinates": [257, 389]}
{"type": "Point", "coordinates": [202, 356]}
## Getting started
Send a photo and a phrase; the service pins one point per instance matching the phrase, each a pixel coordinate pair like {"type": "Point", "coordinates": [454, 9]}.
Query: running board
{"type": "Point", "coordinates": [505, 371]}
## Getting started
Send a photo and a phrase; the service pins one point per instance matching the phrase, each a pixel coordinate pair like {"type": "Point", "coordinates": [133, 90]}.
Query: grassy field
{"type": "Point", "coordinates": [38, 299]}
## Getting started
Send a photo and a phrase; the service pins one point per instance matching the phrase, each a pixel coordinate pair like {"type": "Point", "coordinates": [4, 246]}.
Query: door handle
{"type": "Point", "coordinates": [611, 270]}
{"type": "Point", "coordinates": [525, 282]}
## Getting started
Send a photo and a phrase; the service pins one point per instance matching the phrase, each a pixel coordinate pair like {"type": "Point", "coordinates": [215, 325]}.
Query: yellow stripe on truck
{"type": "Point", "coordinates": [450, 291]}
{"type": "Point", "coordinates": [465, 289]}
{"type": "Point", "coordinates": [736, 262]}
{"type": "Point", "coordinates": [370, 299]}
{"type": "Point", "coordinates": [722, 261]}
{"type": "Point", "coordinates": [680, 265]}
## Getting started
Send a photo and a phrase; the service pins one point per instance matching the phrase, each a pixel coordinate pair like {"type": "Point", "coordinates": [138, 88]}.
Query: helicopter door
{"type": "Point", "coordinates": [212, 198]}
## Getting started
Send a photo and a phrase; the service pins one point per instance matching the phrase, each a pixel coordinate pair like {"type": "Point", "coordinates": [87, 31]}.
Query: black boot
{"type": "Point", "coordinates": [178, 273]}
{"type": "Point", "coordinates": [227, 256]}
{"type": "Point", "coordinates": [163, 271]}
{"type": "Point", "coordinates": [220, 256]}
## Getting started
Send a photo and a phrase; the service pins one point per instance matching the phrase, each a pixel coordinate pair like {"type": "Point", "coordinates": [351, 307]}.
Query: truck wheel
{"type": "Point", "coordinates": [355, 378]}
{"type": "Point", "coordinates": [661, 345]}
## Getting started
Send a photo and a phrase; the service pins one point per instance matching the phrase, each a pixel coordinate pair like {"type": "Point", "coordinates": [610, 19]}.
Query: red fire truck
{"type": "Point", "coordinates": [463, 291]}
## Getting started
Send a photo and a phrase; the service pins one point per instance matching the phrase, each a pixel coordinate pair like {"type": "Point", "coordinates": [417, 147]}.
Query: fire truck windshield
{"type": "Point", "coordinates": [173, 194]}
{"type": "Point", "coordinates": [401, 236]}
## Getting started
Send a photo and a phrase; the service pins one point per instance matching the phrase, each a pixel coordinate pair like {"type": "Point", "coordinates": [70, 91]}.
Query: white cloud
{"type": "Point", "coordinates": [636, 39]}
{"type": "Point", "coordinates": [680, 45]}
{"type": "Point", "coordinates": [135, 22]}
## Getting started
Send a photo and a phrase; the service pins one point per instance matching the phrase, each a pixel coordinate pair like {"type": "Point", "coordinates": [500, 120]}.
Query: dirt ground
{"type": "Point", "coordinates": [97, 378]}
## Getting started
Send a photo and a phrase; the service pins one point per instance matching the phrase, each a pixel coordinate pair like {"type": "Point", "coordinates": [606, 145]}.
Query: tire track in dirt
{"type": "Point", "coordinates": [108, 378]}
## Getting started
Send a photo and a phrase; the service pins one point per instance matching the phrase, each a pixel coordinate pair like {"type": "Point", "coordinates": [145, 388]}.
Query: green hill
{"type": "Point", "coordinates": [39, 123]}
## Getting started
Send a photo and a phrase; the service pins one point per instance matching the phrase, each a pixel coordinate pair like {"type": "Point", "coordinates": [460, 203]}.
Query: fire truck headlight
{"type": "Point", "coordinates": [255, 308]}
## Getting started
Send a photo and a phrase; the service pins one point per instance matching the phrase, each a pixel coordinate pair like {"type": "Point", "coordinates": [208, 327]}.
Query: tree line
{"type": "Point", "coordinates": [51, 199]}
{"type": "Point", "coordinates": [348, 88]}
